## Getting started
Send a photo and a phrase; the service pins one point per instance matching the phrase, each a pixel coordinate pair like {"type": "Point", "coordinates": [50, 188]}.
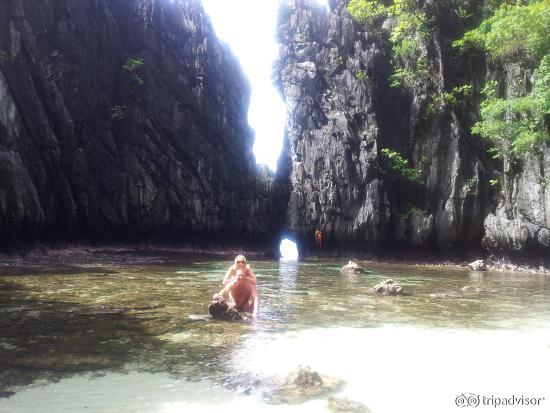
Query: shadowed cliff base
{"type": "Point", "coordinates": [125, 120]}
{"type": "Point", "coordinates": [94, 252]}
{"type": "Point", "coordinates": [34, 254]}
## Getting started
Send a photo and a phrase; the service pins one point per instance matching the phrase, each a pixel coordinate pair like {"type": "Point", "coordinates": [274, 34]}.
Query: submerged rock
{"type": "Point", "coordinates": [221, 310]}
{"type": "Point", "coordinates": [351, 268]}
{"type": "Point", "coordinates": [387, 287]}
{"type": "Point", "coordinates": [470, 289]}
{"type": "Point", "coordinates": [245, 383]}
{"type": "Point", "coordinates": [302, 385]}
{"type": "Point", "coordinates": [198, 317]}
{"type": "Point", "coordinates": [62, 361]}
{"type": "Point", "coordinates": [344, 405]}
{"type": "Point", "coordinates": [445, 295]}
{"type": "Point", "coordinates": [478, 265]}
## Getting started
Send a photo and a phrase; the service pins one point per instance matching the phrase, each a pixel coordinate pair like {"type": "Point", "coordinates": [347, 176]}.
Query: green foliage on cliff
{"type": "Point", "coordinates": [518, 125]}
{"type": "Point", "coordinates": [408, 32]}
{"type": "Point", "coordinates": [456, 94]}
{"type": "Point", "coordinates": [471, 184]}
{"type": "Point", "coordinates": [401, 165]}
{"type": "Point", "coordinates": [515, 33]}
{"type": "Point", "coordinates": [365, 11]}
{"type": "Point", "coordinates": [132, 67]}
{"type": "Point", "coordinates": [361, 75]}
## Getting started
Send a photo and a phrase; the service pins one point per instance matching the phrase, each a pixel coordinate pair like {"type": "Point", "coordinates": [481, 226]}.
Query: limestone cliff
{"type": "Point", "coordinates": [125, 119]}
{"type": "Point", "coordinates": [342, 112]}
{"type": "Point", "coordinates": [521, 222]}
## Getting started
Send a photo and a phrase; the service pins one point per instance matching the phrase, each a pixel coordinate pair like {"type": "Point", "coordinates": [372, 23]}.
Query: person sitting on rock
{"type": "Point", "coordinates": [240, 263]}
{"type": "Point", "coordinates": [243, 293]}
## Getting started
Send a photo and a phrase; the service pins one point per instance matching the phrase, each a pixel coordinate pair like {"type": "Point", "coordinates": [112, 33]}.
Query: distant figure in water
{"type": "Point", "coordinates": [240, 264]}
{"type": "Point", "coordinates": [242, 291]}
{"type": "Point", "coordinates": [318, 238]}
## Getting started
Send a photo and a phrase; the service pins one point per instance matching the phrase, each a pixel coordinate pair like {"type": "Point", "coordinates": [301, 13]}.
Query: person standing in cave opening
{"type": "Point", "coordinates": [318, 238]}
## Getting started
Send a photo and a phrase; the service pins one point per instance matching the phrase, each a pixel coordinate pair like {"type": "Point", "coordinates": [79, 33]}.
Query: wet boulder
{"type": "Point", "coordinates": [221, 310]}
{"type": "Point", "coordinates": [388, 287]}
{"type": "Point", "coordinates": [351, 268]}
{"type": "Point", "coordinates": [302, 385]}
{"type": "Point", "coordinates": [304, 377]}
{"type": "Point", "coordinates": [478, 265]}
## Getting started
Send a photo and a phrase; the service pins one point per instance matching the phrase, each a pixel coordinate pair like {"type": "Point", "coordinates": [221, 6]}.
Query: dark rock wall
{"type": "Point", "coordinates": [331, 127]}
{"type": "Point", "coordinates": [521, 222]}
{"type": "Point", "coordinates": [89, 148]}
{"type": "Point", "coordinates": [339, 122]}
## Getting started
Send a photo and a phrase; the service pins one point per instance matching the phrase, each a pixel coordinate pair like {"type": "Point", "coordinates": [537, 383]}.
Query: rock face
{"type": "Point", "coordinates": [342, 113]}
{"type": "Point", "coordinates": [127, 119]}
{"type": "Point", "coordinates": [123, 119]}
{"type": "Point", "coordinates": [332, 127]}
{"type": "Point", "coordinates": [521, 222]}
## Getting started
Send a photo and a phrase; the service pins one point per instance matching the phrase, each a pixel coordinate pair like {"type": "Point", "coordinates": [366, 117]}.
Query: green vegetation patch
{"type": "Point", "coordinates": [515, 33]}
{"type": "Point", "coordinates": [400, 165]}
{"type": "Point", "coordinates": [409, 31]}
{"type": "Point", "coordinates": [518, 125]}
{"type": "Point", "coordinates": [132, 67]}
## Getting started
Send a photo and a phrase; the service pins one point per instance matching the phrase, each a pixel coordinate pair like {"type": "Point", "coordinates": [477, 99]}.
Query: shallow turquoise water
{"type": "Point", "coordinates": [121, 332]}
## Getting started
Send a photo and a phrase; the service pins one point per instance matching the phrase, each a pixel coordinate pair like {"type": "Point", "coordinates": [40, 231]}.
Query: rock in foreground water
{"type": "Point", "coordinates": [221, 310]}
{"type": "Point", "coordinates": [388, 287]}
{"type": "Point", "coordinates": [302, 385]}
{"type": "Point", "coordinates": [478, 265]}
{"type": "Point", "coordinates": [344, 405]}
{"type": "Point", "coordinates": [351, 268]}
{"type": "Point", "coordinates": [470, 289]}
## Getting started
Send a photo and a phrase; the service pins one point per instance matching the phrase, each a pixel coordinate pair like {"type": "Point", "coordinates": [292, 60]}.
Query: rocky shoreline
{"type": "Point", "coordinates": [136, 252]}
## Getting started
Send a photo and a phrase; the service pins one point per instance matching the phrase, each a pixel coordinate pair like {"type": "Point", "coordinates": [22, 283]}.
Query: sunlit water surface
{"type": "Point", "coordinates": [129, 333]}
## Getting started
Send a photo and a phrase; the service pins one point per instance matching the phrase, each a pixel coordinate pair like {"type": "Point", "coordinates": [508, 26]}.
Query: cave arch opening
{"type": "Point", "coordinates": [288, 249]}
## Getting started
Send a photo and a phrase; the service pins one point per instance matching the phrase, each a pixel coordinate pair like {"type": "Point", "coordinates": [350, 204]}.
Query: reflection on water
{"type": "Point", "coordinates": [71, 334]}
